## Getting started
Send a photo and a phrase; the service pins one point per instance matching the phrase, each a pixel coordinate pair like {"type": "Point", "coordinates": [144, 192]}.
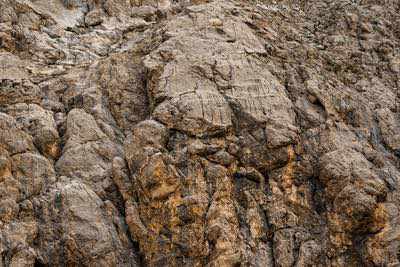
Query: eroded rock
{"type": "Point", "coordinates": [199, 133]}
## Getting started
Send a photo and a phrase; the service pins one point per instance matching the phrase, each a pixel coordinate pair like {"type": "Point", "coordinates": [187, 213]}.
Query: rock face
{"type": "Point", "coordinates": [199, 133]}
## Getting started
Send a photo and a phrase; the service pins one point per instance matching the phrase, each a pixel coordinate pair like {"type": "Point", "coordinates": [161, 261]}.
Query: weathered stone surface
{"type": "Point", "coordinates": [40, 124]}
{"type": "Point", "coordinates": [87, 230]}
{"type": "Point", "coordinates": [199, 133]}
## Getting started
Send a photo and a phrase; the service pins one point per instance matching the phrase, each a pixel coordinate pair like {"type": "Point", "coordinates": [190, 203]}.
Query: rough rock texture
{"type": "Point", "coordinates": [199, 133]}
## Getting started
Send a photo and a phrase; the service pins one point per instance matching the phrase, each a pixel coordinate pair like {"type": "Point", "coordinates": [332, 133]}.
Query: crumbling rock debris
{"type": "Point", "coordinates": [199, 133]}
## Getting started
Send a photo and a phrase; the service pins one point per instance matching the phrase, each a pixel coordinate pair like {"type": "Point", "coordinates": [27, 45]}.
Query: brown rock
{"type": "Point", "coordinates": [199, 133]}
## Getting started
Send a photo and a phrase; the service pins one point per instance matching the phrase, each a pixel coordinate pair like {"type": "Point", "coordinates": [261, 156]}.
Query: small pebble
{"type": "Point", "coordinates": [216, 22]}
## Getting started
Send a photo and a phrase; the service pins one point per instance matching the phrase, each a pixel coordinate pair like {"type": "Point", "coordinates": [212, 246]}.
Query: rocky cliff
{"type": "Point", "coordinates": [199, 133]}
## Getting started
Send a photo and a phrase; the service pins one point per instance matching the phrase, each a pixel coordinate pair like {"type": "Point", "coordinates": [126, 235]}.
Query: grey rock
{"type": "Point", "coordinates": [199, 133]}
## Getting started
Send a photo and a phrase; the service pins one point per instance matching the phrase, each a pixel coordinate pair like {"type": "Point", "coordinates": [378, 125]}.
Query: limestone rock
{"type": "Point", "coordinates": [88, 230]}
{"type": "Point", "coordinates": [199, 133]}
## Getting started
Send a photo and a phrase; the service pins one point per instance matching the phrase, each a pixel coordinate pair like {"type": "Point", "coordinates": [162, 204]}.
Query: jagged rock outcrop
{"type": "Point", "coordinates": [199, 133]}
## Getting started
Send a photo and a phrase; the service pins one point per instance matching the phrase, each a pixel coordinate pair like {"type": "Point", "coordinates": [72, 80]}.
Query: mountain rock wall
{"type": "Point", "coordinates": [199, 133]}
